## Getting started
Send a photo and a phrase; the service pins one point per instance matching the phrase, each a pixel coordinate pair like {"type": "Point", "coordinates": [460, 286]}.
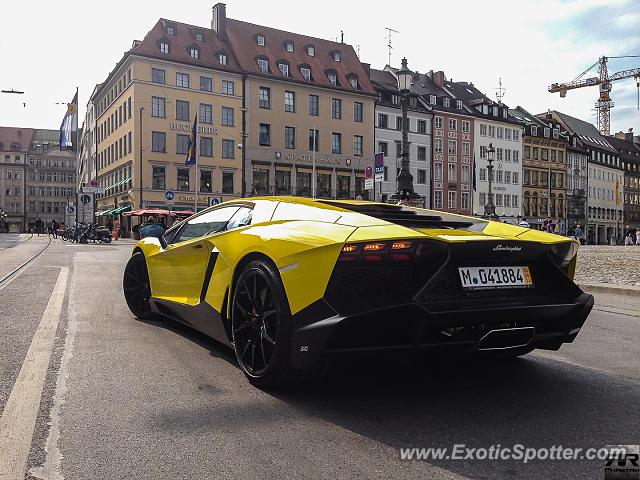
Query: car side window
{"type": "Point", "coordinates": [171, 233]}
{"type": "Point", "coordinates": [206, 224]}
{"type": "Point", "coordinates": [241, 218]}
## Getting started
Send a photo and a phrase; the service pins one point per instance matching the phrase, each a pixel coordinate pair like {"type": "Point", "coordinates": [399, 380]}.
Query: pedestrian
{"type": "Point", "coordinates": [404, 199]}
{"type": "Point", "coordinates": [524, 223]}
{"type": "Point", "coordinates": [638, 236]}
{"type": "Point", "coordinates": [358, 197]}
{"type": "Point", "coordinates": [628, 240]}
{"type": "Point", "coordinates": [578, 235]}
{"type": "Point", "coordinates": [109, 226]}
{"type": "Point", "coordinates": [54, 228]}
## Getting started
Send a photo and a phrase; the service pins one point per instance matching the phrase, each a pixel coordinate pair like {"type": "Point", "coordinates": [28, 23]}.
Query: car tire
{"type": "Point", "coordinates": [136, 286]}
{"type": "Point", "coordinates": [261, 325]}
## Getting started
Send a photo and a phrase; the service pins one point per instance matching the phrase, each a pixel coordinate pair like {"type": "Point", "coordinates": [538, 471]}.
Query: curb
{"type": "Point", "coordinates": [609, 288]}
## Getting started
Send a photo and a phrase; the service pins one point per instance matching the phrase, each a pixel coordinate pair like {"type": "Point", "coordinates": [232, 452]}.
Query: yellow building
{"type": "Point", "coordinates": [145, 113]}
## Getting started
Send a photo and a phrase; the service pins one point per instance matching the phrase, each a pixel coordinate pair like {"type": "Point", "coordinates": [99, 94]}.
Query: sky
{"type": "Point", "coordinates": [47, 49]}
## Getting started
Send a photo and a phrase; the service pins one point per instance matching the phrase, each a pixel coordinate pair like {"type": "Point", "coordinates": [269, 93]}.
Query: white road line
{"type": "Point", "coordinates": [19, 417]}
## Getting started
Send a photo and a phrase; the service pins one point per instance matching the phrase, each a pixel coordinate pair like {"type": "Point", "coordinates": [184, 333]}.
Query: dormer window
{"type": "Point", "coordinates": [395, 99]}
{"type": "Point", "coordinates": [534, 131]}
{"type": "Point", "coordinates": [432, 99]}
{"type": "Point", "coordinates": [495, 111]}
{"type": "Point", "coordinates": [222, 58]}
{"type": "Point", "coordinates": [263, 64]}
{"type": "Point", "coordinates": [164, 46]}
{"type": "Point", "coordinates": [284, 69]}
{"type": "Point", "coordinates": [194, 52]}
{"type": "Point", "coordinates": [260, 40]}
{"type": "Point", "coordinates": [485, 109]}
{"type": "Point", "coordinates": [556, 133]}
{"type": "Point", "coordinates": [306, 73]}
{"type": "Point", "coordinates": [336, 55]}
{"type": "Point", "coordinates": [445, 101]}
{"type": "Point", "coordinates": [311, 50]}
{"type": "Point", "coordinates": [332, 76]}
{"type": "Point", "coordinates": [289, 46]}
{"type": "Point", "coordinates": [459, 104]}
{"type": "Point", "coordinates": [353, 80]}
{"type": "Point", "coordinates": [547, 132]}
{"type": "Point", "coordinates": [171, 30]}
{"type": "Point", "coordinates": [504, 113]}
{"type": "Point", "coordinates": [199, 37]}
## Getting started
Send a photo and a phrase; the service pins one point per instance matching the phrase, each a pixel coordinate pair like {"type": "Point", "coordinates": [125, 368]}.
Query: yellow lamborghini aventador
{"type": "Point", "coordinates": [285, 281]}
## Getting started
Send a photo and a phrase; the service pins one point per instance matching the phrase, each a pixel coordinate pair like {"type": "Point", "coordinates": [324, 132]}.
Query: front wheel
{"type": "Point", "coordinates": [261, 325]}
{"type": "Point", "coordinates": [137, 290]}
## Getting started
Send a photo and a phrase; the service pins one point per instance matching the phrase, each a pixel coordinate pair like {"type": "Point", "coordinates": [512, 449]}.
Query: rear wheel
{"type": "Point", "coordinates": [261, 325]}
{"type": "Point", "coordinates": [137, 290]}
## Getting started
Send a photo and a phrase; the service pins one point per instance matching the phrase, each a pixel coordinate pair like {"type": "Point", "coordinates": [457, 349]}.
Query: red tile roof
{"type": "Point", "coordinates": [11, 135]}
{"type": "Point", "coordinates": [180, 42]}
{"type": "Point", "coordinates": [242, 36]}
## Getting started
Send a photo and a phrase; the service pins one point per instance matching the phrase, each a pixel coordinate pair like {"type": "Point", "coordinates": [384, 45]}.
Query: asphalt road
{"type": "Point", "coordinates": [151, 400]}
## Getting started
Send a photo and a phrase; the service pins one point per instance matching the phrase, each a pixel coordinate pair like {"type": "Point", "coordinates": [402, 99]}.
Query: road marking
{"type": "Point", "coordinates": [20, 413]}
{"type": "Point", "coordinates": [619, 311]}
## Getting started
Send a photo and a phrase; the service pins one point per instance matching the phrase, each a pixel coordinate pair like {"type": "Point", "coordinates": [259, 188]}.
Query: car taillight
{"type": "Point", "coordinates": [397, 250]}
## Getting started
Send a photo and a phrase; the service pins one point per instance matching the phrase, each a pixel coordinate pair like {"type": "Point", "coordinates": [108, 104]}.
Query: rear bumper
{"type": "Point", "coordinates": [453, 327]}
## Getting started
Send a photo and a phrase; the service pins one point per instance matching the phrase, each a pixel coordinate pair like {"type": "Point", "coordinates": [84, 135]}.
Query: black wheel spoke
{"type": "Point", "coordinates": [253, 356]}
{"type": "Point", "coordinates": [264, 357]}
{"type": "Point", "coordinates": [248, 292]}
{"type": "Point", "coordinates": [242, 326]}
{"type": "Point", "coordinates": [266, 336]}
{"type": "Point", "coordinates": [246, 348]}
{"type": "Point", "coordinates": [268, 313]}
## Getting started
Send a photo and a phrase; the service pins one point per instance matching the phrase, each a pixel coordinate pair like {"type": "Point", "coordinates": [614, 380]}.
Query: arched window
{"type": "Point", "coordinates": [353, 80]}
{"type": "Point", "coordinates": [534, 204]}
{"type": "Point", "coordinates": [332, 76]}
{"type": "Point", "coordinates": [305, 71]}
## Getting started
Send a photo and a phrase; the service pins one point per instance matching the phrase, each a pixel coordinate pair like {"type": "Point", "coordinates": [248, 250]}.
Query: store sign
{"type": "Point", "coordinates": [190, 198]}
{"type": "Point", "coordinates": [186, 127]}
{"type": "Point", "coordinates": [320, 159]}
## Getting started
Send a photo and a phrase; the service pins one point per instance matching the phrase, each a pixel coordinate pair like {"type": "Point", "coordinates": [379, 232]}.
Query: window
{"type": "Point", "coordinates": [357, 146]}
{"type": "Point", "coordinates": [432, 99]}
{"type": "Point", "coordinates": [260, 40]}
{"type": "Point", "coordinates": [314, 140]}
{"type": "Point", "coordinates": [383, 120]}
{"type": "Point", "coordinates": [182, 144]}
{"type": "Point", "coordinates": [535, 153]}
{"type": "Point", "coordinates": [492, 131]}
{"type": "Point", "coordinates": [445, 102]}
{"type": "Point", "coordinates": [164, 47]}
{"type": "Point", "coordinates": [507, 134]}
{"type": "Point", "coordinates": [452, 173]}
{"type": "Point", "coordinates": [514, 179]}
{"type": "Point", "coordinates": [264, 65]}
{"type": "Point", "coordinates": [205, 224]}
{"type": "Point", "coordinates": [158, 107]}
{"type": "Point", "coordinates": [158, 76]}
{"type": "Point", "coordinates": [438, 148]}
{"type": "Point", "coordinates": [336, 108]}
{"type": "Point", "coordinates": [290, 137]}
{"type": "Point", "coordinates": [357, 111]}
{"type": "Point", "coordinates": [311, 51]}
{"type": "Point", "coordinates": [182, 80]}
{"type": "Point", "coordinates": [483, 174]}
{"type": "Point", "coordinates": [227, 182]}
{"type": "Point", "coordinates": [265, 97]}
{"type": "Point", "coordinates": [333, 79]}
{"type": "Point", "coordinates": [437, 171]}
{"type": "Point", "coordinates": [206, 181]}
{"type": "Point", "coordinates": [336, 143]}
{"type": "Point", "coordinates": [459, 104]}
{"type": "Point", "coordinates": [336, 56]}
{"type": "Point", "coordinates": [422, 153]}
{"type": "Point", "coordinates": [194, 52]}
{"type": "Point", "coordinates": [289, 101]}
{"type": "Point", "coordinates": [438, 122]}
{"type": "Point", "coordinates": [499, 132]}
{"type": "Point", "coordinates": [206, 146]}
{"type": "Point", "coordinates": [507, 177]}
{"type": "Point", "coordinates": [422, 126]}
{"type": "Point", "coordinates": [516, 135]}
{"type": "Point", "coordinates": [182, 110]}
{"type": "Point", "coordinates": [452, 144]}
{"type": "Point", "coordinates": [306, 73]}
{"type": "Point", "coordinates": [289, 46]}
{"type": "Point", "coordinates": [182, 184]}
{"type": "Point", "coordinates": [498, 174]}
{"type": "Point", "coordinates": [452, 200]}
{"type": "Point", "coordinates": [499, 198]}
{"type": "Point", "coordinates": [437, 199]}
{"type": "Point", "coordinates": [514, 201]}
{"type": "Point", "coordinates": [159, 142]}
{"type": "Point", "coordinates": [159, 178]}
{"type": "Point", "coordinates": [228, 117]}
{"type": "Point", "coordinates": [227, 87]}
{"type": "Point", "coordinates": [260, 179]}
{"type": "Point", "coordinates": [129, 103]}
{"type": "Point", "coordinates": [354, 82]}
{"type": "Point", "coordinates": [382, 148]}
{"type": "Point", "coordinates": [265, 135]}
{"type": "Point", "coordinates": [453, 124]}
{"type": "Point", "coordinates": [199, 37]}
{"type": "Point", "coordinates": [507, 154]}
{"type": "Point", "coordinates": [284, 69]}
{"type": "Point", "coordinates": [227, 148]}
{"type": "Point", "coordinates": [314, 103]}
{"type": "Point", "coordinates": [206, 84]}
{"type": "Point", "coordinates": [395, 99]}
{"type": "Point", "coordinates": [206, 113]}
{"type": "Point", "coordinates": [222, 58]}
{"type": "Point", "coordinates": [499, 155]}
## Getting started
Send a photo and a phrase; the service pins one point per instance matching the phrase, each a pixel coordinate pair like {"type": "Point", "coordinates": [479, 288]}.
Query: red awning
{"type": "Point", "coordinates": [148, 211]}
{"type": "Point", "coordinates": [183, 212]}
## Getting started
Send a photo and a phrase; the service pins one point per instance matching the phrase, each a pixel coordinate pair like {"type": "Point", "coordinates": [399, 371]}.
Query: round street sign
{"type": "Point", "coordinates": [70, 209]}
{"type": "Point", "coordinates": [368, 171]}
{"type": "Point", "coordinates": [169, 195]}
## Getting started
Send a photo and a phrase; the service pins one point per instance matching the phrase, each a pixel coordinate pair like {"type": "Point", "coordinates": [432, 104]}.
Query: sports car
{"type": "Point", "coordinates": [288, 281]}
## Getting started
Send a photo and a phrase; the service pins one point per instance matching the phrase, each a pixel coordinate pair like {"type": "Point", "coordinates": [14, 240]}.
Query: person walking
{"type": "Point", "coordinates": [638, 237]}
{"type": "Point", "coordinates": [523, 223]}
{"type": "Point", "coordinates": [54, 228]}
{"type": "Point", "coordinates": [578, 234]}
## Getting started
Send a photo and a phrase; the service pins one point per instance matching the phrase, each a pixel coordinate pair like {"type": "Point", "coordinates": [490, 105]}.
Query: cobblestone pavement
{"type": "Point", "coordinates": [618, 265]}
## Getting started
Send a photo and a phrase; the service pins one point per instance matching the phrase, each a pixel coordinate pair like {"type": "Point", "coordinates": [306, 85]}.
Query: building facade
{"type": "Point", "coordinates": [543, 169]}
{"type": "Point", "coordinates": [14, 145]}
{"type": "Point", "coordinates": [630, 158]}
{"type": "Point", "coordinates": [605, 179]}
{"type": "Point", "coordinates": [388, 137]}
{"type": "Point", "coordinates": [87, 148]}
{"type": "Point", "coordinates": [145, 111]}
{"type": "Point", "coordinates": [577, 178]}
{"type": "Point", "coordinates": [309, 102]}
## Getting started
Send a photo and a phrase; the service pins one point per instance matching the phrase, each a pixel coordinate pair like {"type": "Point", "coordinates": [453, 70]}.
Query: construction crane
{"type": "Point", "coordinates": [604, 103]}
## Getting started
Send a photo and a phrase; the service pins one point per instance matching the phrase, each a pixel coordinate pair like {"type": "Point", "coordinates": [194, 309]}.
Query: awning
{"type": "Point", "coordinates": [120, 210]}
{"type": "Point", "coordinates": [147, 211]}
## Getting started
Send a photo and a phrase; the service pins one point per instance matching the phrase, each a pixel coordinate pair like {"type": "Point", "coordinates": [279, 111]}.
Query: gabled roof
{"type": "Point", "coordinates": [587, 133]}
{"type": "Point", "coordinates": [525, 118]}
{"type": "Point", "coordinates": [384, 80]}
{"type": "Point", "coordinates": [14, 136]}
{"type": "Point", "coordinates": [627, 150]}
{"type": "Point", "coordinates": [243, 38]}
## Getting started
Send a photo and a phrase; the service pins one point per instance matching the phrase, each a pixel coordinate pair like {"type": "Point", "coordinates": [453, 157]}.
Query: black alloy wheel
{"type": "Point", "coordinates": [137, 290]}
{"type": "Point", "coordinates": [260, 322]}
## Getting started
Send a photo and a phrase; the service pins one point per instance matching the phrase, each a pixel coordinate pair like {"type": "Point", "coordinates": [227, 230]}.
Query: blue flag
{"type": "Point", "coordinates": [69, 126]}
{"type": "Point", "coordinates": [474, 172]}
{"type": "Point", "coordinates": [191, 151]}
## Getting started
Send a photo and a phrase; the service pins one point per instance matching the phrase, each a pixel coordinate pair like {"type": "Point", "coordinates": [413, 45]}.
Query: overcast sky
{"type": "Point", "coordinates": [47, 49]}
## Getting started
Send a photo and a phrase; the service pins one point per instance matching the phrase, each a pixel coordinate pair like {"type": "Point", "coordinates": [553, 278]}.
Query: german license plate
{"type": "Point", "coordinates": [495, 277]}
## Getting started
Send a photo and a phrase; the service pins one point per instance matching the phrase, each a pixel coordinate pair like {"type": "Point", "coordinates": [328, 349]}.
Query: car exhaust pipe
{"type": "Point", "coordinates": [506, 338]}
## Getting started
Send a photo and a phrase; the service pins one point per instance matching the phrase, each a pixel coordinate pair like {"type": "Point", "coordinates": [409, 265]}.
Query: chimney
{"type": "Point", "coordinates": [629, 135]}
{"type": "Point", "coordinates": [341, 36]}
{"type": "Point", "coordinates": [548, 116]}
{"type": "Point", "coordinates": [438, 78]}
{"type": "Point", "coordinates": [430, 74]}
{"type": "Point", "coordinates": [219, 21]}
{"type": "Point", "coordinates": [136, 43]}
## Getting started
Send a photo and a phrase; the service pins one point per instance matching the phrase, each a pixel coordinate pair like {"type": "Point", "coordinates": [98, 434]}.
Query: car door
{"type": "Point", "coordinates": [179, 270]}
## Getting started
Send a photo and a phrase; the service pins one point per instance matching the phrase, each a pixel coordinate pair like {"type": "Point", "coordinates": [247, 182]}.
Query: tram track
{"type": "Point", "coordinates": [16, 271]}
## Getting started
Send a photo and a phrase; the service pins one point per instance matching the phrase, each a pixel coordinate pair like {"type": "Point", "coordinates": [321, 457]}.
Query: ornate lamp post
{"type": "Point", "coordinates": [405, 179]}
{"type": "Point", "coordinates": [490, 207]}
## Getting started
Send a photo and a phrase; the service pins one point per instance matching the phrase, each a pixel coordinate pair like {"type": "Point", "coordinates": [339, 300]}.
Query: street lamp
{"type": "Point", "coordinates": [490, 208]}
{"type": "Point", "coordinates": [405, 179]}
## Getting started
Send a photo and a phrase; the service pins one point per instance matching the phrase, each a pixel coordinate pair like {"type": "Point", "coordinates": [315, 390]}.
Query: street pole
{"type": "Point", "coordinates": [549, 186]}
{"type": "Point", "coordinates": [313, 166]}
{"type": "Point", "coordinates": [140, 173]}
{"type": "Point", "coordinates": [490, 208]}
{"type": "Point", "coordinates": [405, 179]}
